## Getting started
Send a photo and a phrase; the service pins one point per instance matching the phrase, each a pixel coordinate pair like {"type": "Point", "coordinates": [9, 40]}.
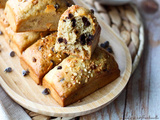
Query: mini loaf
{"type": "Point", "coordinates": [39, 58]}
{"type": "Point", "coordinates": [78, 32]}
{"type": "Point", "coordinates": [75, 78]}
{"type": "Point", "coordinates": [35, 15]}
{"type": "Point", "coordinates": [21, 40]}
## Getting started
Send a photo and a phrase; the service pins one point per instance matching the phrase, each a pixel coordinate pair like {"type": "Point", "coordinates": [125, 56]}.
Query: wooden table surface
{"type": "Point", "coordinates": [141, 97]}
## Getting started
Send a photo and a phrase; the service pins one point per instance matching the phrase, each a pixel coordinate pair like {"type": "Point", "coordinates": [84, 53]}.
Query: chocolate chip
{"type": "Point", "coordinates": [89, 42]}
{"type": "Point", "coordinates": [68, 4]}
{"type": "Point", "coordinates": [105, 69]}
{"type": "Point", "coordinates": [34, 59]}
{"type": "Point", "coordinates": [92, 11]}
{"type": "Point", "coordinates": [52, 62]}
{"type": "Point", "coordinates": [73, 22]}
{"type": "Point", "coordinates": [86, 22]}
{"type": "Point", "coordinates": [59, 67]}
{"type": "Point", "coordinates": [64, 20]}
{"type": "Point", "coordinates": [12, 54]}
{"type": "Point", "coordinates": [25, 72]}
{"type": "Point", "coordinates": [109, 49]}
{"type": "Point", "coordinates": [76, 32]}
{"type": "Point", "coordinates": [9, 69]}
{"type": "Point", "coordinates": [1, 33]}
{"type": "Point", "coordinates": [70, 16]}
{"type": "Point", "coordinates": [105, 44]}
{"type": "Point", "coordinates": [82, 39]}
{"type": "Point", "coordinates": [62, 80]}
{"type": "Point", "coordinates": [52, 49]}
{"type": "Point", "coordinates": [60, 40]}
{"type": "Point", "coordinates": [40, 47]}
{"type": "Point", "coordinates": [56, 6]}
{"type": "Point", "coordinates": [46, 91]}
{"type": "Point", "coordinates": [65, 41]}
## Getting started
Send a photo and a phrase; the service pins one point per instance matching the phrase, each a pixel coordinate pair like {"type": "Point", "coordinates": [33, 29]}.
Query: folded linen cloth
{"type": "Point", "coordinates": [11, 110]}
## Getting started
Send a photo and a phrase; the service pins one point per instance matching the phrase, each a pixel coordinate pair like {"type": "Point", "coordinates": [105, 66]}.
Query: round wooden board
{"type": "Point", "coordinates": [26, 93]}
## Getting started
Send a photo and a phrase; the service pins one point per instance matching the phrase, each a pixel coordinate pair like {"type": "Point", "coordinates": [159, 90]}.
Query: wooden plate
{"type": "Point", "coordinates": [26, 93]}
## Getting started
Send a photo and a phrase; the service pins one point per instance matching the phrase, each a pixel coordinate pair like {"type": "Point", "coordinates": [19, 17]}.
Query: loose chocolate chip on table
{"type": "Point", "coordinates": [46, 91]}
{"type": "Point", "coordinates": [92, 11]}
{"type": "Point", "coordinates": [105, 44]}
{"type": "Point", "coordinates": [12, 54]}
{"type": "Point", "coordinates": [109, 49]}
{"type": "Point", "coordinates": [60, 40]}
{"type": "Point", "coordinates": [1, 33]}
{"type": "Point", "coordinates": [56, 6]}
{"type": "Point", "coordinates": [59, 67]}
{"type": "Point", "coordinates": [65, 41]}
{"type": "Point", "coordinates": [73, 22]}
{"type": "Point", "coordinates": [86, 22]}
{"type": "Point", "coordinates": [82, 39]}
{"type": "Point", "coordinates": [9, 69]}
{"type": "Point", "coordinates": [34, 59]}
{"type": "Point", "coordinates": [25, 72]}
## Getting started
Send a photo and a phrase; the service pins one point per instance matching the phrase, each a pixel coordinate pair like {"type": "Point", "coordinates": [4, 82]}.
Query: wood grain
{"type": "Point", "coordinates": [25, 92]}
{"type": "Point", "coordinates": [140, 99]}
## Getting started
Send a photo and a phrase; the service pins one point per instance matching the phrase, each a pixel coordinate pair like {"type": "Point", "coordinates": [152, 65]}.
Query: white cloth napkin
{"type": "Point", "coordinates": [9, 110]}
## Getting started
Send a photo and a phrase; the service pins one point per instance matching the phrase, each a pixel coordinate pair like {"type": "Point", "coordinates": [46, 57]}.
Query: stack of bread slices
{"type": "Point", "coordinates": [57, 43]}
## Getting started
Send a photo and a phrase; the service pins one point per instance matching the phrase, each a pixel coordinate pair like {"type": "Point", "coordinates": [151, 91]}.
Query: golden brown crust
{"type": "Point", "coordinates": [78, 32]}
{"type": "Point", "coordinates": [40, 57]}
{"type": "Point", "coordinates": [78, 75]}
{"type": "Point", "coordinates": [35, 15]}
{"type": "Point", "coordinates": [2, 3]}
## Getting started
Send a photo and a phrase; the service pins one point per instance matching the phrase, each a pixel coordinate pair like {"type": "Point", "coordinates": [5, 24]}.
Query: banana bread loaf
{"type": "Point", "coordinates": [21, 40]}
{"type": "Point", "coordinates": [78, 32]}
{"type": "Point", "coordinates": [68, 81]}
{"type": "Point", "coordinates": [35, 15]}
{"type": "Point", "coordinates": [40, 57]}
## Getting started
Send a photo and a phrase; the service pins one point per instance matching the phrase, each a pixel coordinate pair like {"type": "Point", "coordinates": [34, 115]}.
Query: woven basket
{"type": "Point", "coordinates": [127, 24]}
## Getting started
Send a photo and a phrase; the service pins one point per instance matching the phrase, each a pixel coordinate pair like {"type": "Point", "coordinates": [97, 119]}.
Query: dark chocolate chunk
{"type": "Point", "coordinates": [73, 22]}
{"type": "Point", "coordinates": [34, 59]}
{"type": "Point", "coordinates": [1, 33]}
{"type": "Point", "coordinates": [105, 44]}
{"type": "Point", "coordinates": [70, 16]}
{"type": "Point", "coordinates": [56, 6]}
{"type": "Point", "coordinates": [65, 41]}
{"type": "Point", "coordinates": [89, 42]}
{"type": "Point", "coordinates": [59, 67]}
{"type": "Point", "coordinates": [76, 32]}
{"type": "Point", "coordinates": [86, 22]}
{"type": "Point", "coordinates": [68, 4]}
{"type": "Point", "coordinates": [46, 91]}
{"type": "Point", "coordinates": [105, 69]}
{"type": "Point", "coordinates": [60, 40]}
{"type": "Point", "coordinates": [62, 80]}
{"type": "Point", "coordinates": [64, 20]}
{"type": "Point", "coordinates": [9, 69]}
{"type": "Point", "coordinates": [12, 54]}
{"type": "Point", "coordinates": [109, 49]}
{"type": "Point", "coordinates": [25, 72]}
{"type": "Point", "coordinates": [82, 39]}
{"type": "Point", "coordinates": [92, 11]}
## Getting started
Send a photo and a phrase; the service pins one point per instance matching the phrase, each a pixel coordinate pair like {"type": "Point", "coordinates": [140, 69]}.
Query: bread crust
{"type": "Point", "coordinates": [79, 78]}
{"type": "Point", "coordinates": [35, 15]}
{"type": "Point", "coordinates": [39, 58]}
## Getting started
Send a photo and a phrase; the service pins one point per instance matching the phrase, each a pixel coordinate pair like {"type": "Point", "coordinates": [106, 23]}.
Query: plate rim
{"type": "Point", "coordinates": [76, 110]}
